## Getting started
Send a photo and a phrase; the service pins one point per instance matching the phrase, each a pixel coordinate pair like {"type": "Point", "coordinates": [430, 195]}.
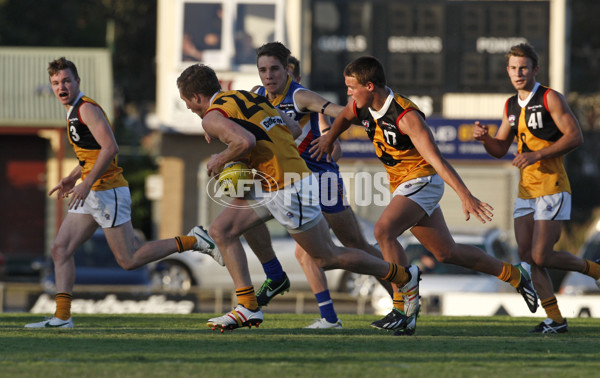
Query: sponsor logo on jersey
{"type": "Point", "coordinates": [269, 122]}
{"type": "Point", "coordinates": [286, 106]}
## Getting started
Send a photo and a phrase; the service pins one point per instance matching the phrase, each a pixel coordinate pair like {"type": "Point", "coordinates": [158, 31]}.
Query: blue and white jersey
{"type": "Point", "coordinates": [309, 122]}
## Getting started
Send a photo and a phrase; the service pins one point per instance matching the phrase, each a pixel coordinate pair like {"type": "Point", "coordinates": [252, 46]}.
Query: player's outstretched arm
{"type": "Point", "coordinates": [325, 127]}
{"type": "Point", "coordinates": [413, 125]}
{"type": "Point", "coordinates": [324, 144]}
{"type": "Point", "coordinates": [307, 100]}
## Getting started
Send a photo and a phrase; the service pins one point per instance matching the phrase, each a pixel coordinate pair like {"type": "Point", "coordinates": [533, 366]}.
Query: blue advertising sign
{"type": "Point", "coordinates": [454, 138]}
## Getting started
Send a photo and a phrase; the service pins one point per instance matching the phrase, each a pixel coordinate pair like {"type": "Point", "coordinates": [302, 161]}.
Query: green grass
{"type": "Point", "coordinates": [182, 346]}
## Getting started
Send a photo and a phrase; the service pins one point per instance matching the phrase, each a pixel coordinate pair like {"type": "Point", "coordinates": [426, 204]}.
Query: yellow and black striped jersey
{"type": "Point", "coordinates": [87, 148]}
{"type": "Point", "coordinates": [396, 151]}
{"type": "Point", "coordinates": [275, 153]}
{"type": "Point", "coordinates": [535, 129]}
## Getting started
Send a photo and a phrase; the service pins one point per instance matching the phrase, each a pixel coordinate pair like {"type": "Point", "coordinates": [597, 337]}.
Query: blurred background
{"type": "Point", "coordinates": [448, 56]}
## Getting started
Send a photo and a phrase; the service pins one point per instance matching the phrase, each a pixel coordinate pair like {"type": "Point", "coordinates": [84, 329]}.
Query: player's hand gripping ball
{"type": "Point", "coordinates": [230, 178]}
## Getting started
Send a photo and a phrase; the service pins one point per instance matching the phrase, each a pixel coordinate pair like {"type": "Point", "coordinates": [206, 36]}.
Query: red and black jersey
{"type": "Point", "coordinates": [396, 151]}
{"type": "Point", "coordinates": [531, 121]}
{"type": "Point", "coordinates": [87, 148]}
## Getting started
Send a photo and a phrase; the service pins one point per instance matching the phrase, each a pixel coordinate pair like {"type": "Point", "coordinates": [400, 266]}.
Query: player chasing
{"type": "Point", "coordinates": [256, 132]}
{"type": "Point", "coordinates": [417, 172]}
{"type": "Point", "coordinates": [100, 199]}
{"type": "Point", "coordinates": [546, 130]}
{"type": "Point", "coordinates": [283, 90]}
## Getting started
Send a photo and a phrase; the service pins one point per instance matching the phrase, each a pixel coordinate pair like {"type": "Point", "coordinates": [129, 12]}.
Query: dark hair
{"type": "Point", "coordinates": [198, 79]}
{"type": "Point", "coordinates": [275, 49]}
{"type": "Point", "coordinates": [62, 64]}
{"type": "Point", "coordinates": [523, 50]}
{"type": "Point", "coordinates": [294, 64]}
{"type": "Point", "coordinates": [366, 69]}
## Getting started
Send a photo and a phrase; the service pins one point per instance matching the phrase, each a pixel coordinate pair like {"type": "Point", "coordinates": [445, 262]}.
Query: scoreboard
{"type": "Point", "coordinates": [427, 47]}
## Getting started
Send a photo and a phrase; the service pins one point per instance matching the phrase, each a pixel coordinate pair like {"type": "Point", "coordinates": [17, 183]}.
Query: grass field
{"type": "Point", "coordinates": [182, 346]}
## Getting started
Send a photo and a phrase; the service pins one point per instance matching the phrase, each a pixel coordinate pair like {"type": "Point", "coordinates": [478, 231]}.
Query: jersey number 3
{"type": "Point", "coordinates": [74, 134]}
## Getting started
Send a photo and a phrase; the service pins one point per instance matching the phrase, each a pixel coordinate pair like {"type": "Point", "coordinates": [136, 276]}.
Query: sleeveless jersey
{"type": "Point", "coordinates": [535, 129]}
{"type": "Point", "coordinates": [396, 151]}
{"type": "Point", "coordinates": [87, 148]}
{"type": "Point", "coordinates": [309, 122]}
{"type": "Point", "coordinates": [275, 152]}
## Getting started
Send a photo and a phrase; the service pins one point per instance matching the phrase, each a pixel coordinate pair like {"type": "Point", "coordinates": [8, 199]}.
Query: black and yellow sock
{"type": "Point", "coordinates": [247, 297]}
{"type": "Point", "coordinates": [591, 269]}
{"type": "Point", "coordinates": [398, 301]}
{"type": "Point", "coordinates": [397, 274]}
{"type": "Point", "coordinates": [63, 306]}
{"type": "Point", "coordinates": [510, 274]}
{"type": "Point", "coordinates": [185, 243]}
{"type": "Point", "coordinates": [550, 305]}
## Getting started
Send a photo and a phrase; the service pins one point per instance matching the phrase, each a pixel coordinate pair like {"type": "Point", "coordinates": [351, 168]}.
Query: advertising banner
{"type": "Point", "coordinates": [454, 138]}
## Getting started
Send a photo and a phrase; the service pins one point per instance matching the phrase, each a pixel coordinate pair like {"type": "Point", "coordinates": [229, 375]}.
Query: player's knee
{"type": "Point", "coordinates": [126, 263]}
{"type": "Point", "coordinates": [59, 253]}
{"type": "Point", "coordinates": [327, 263]}
{"type": "Point", "coordinates": [128, 266]}
{"type": "Point", "coordinates": [356, 242]}
{"type": "Point", "coordinates": [301, 256]}
{"type": "Point", "coordinates": [219, 234]}
{"type": "Point", "coordinates": [328, 266]}
{"type": "Point", "coordinates": [381, 231]}
{"type": "Point", "coordinates": [539, 259]}
{"type": "Point", "coordinates": [444, 255]}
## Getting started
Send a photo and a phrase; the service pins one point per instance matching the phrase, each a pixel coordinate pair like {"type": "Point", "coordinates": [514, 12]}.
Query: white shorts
{"type": "Point", "coordinates": [109, 208]}
{"type": "Point", "coordinates": [552, 207]}
{"type": "Point", "coordinates": [425, 191]}
{"type": "Point", "coordinates": [296, 206]}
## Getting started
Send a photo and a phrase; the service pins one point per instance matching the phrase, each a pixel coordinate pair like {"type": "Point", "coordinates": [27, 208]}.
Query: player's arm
{"type": "Point", "coordinates": [324, 144]}
{"type": "Point", "coordinates": [96, 122]}
{"type": "Point", "coordinates": [566, 123]}
{"type": "Point", "coordinates": [324, 127]}
{"type": "Point", "coordinates": [239, 141]}
{"type": "Point", "coordinates": [67, 183]}
{"type": "Point", "coordinates": [413, 125]}
{"type": "Point", "coordinates": [94, 118]}
{"type": "Point", "coordinates": [498, 145]}
{"type": "Point", "coordinates": [309, 101]}
{"type": "Point", "coordinates": [291, 123]}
